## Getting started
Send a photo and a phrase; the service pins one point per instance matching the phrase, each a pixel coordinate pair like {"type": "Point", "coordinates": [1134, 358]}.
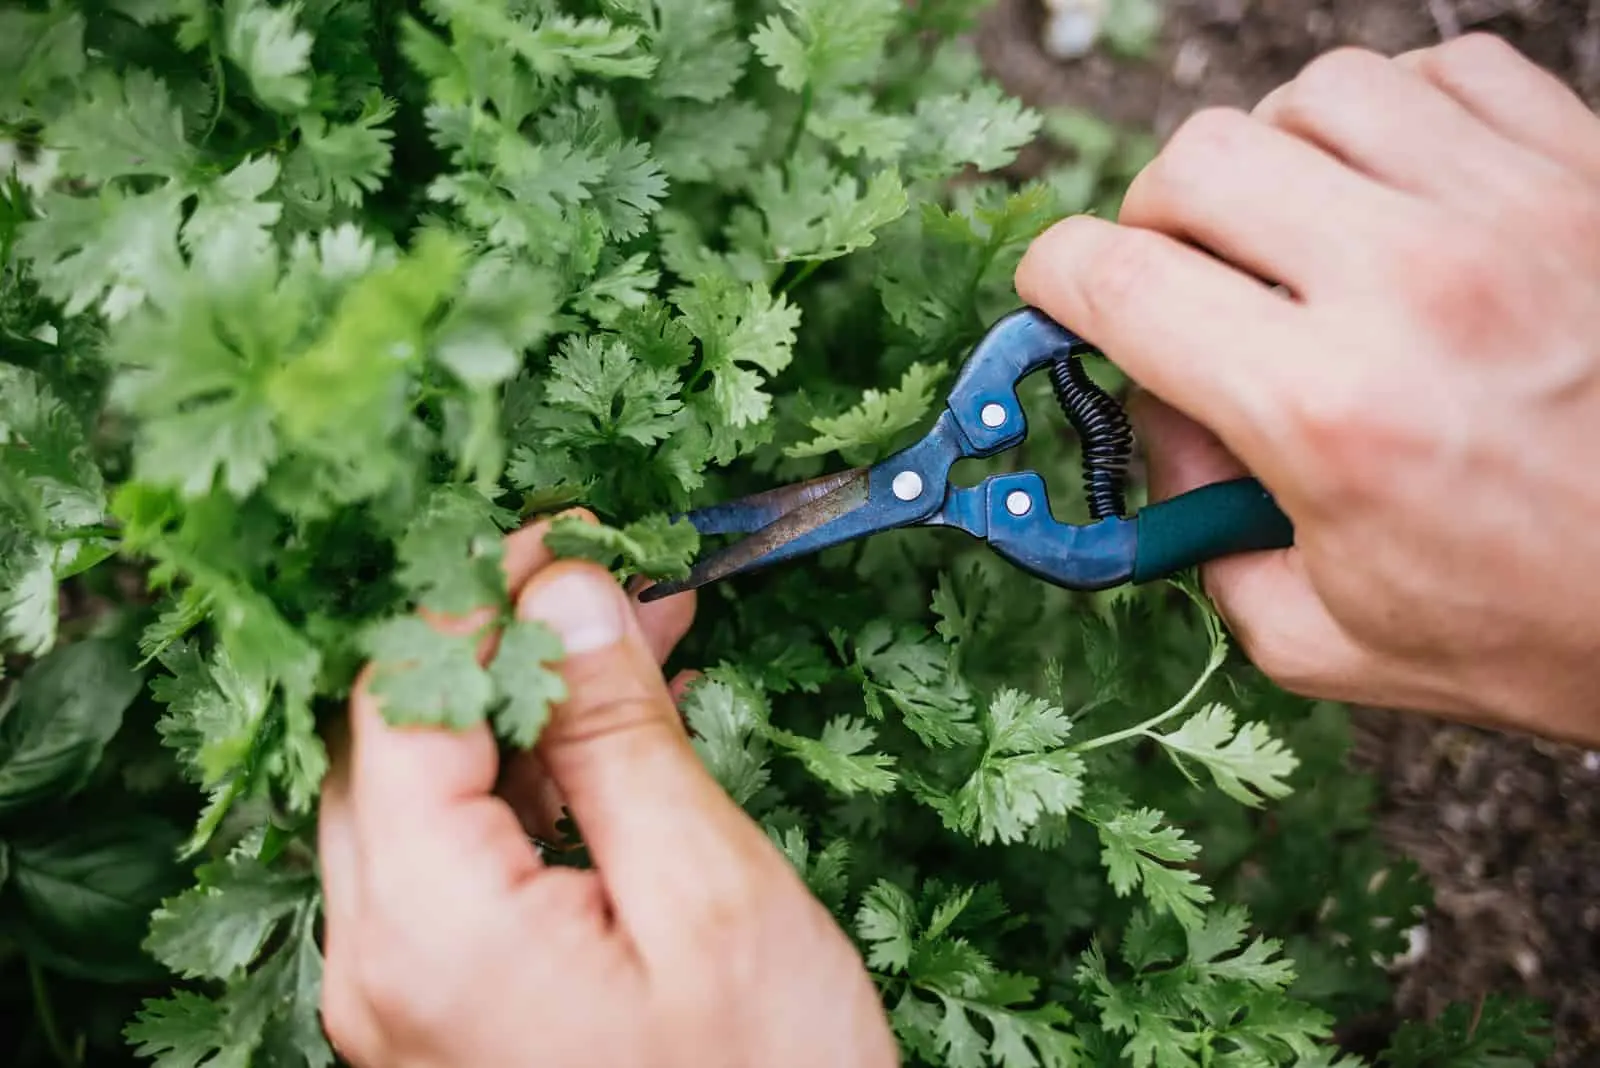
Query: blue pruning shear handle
{"type": "Point", "coordinates": [1011, 512]}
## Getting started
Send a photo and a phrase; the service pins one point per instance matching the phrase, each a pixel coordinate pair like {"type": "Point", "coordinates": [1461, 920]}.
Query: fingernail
{"type": "Point", "coordinates": [584, 608]}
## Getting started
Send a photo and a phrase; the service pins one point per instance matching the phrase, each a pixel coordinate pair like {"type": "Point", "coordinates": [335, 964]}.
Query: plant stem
{"type": "Point", "coordinates": [1155, 721]}
{"type": "Point", "coordinates": [219, 79]}
{"type": "Point", "coordinates": [47, 1017]}
{"type": "Point", "coordinates": [799, 123]}
{"type": "Point", "coordinates": [800, 276]}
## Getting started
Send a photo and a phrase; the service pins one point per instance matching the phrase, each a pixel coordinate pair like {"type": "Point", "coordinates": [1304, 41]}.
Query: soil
{"type": "Point", "coordinates": [1504, 826]}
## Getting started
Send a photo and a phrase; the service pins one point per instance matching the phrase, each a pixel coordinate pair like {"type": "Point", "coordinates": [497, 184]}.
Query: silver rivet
{"type": "Point", "coordinates": [993, 415]}
{"type": "Point", "coordinates": [907, 485]}
{"type": "Point", "coordinates": [1018, 503]}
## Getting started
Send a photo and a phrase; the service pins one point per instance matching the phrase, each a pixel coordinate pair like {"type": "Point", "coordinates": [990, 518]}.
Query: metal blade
{"type": "Point", "coordinates": [768, 544]}
{"type": "Point", "coordinates": [750, 514]}
{"type": "Point", "coordinates": [912, 485]}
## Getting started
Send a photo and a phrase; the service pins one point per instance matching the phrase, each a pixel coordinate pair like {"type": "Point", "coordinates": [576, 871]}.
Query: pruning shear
{"type": "Point", "coordinates": [983, 416]}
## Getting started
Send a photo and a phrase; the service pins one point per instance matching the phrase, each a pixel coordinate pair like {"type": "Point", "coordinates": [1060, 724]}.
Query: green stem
{"type": "Point", "coordinates": [799, 123]}
{"type": "Point", "coordinates": [805, 272]}
{"type": "Point", "coordinates": [221, 79]}
{"type": "Point", "coordinates": [83, 533]}
{"type": "Point", "coordinates": [1155, 721]}
{"type": "Point", "coordinates": [47, 1017]}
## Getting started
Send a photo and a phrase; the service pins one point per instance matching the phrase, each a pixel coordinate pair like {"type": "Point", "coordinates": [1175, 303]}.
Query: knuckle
{"type": "Point", "coordinates": [1124, 271]}
{"type": "Point", "coordinates": [1348, 436]}
{"type": "Point", "coordinates": [1454, 281]}
{"type": "Point", "coordinates": [1209, 137]}
{"type": "Point", "coordinates": [1471, 53]}
{"type": "Point", "coordinates": [1205, 145]}
{"type": "Point", "coordinates": [1329, 78]}
{"type": "Point", "coordinates": [1567, 210]}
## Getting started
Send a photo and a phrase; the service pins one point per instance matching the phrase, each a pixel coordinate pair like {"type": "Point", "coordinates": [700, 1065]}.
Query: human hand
{"type": "Point", "coordinates": [1423, 400]}
{"type": "Point", "coordinates": [692, 941]}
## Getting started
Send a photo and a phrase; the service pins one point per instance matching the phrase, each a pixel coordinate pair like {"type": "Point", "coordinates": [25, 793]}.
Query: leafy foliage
{"type": "Point", "coordinates": [306, 306]}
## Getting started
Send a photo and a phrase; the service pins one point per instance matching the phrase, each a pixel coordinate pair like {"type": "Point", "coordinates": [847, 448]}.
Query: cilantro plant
{"type": "Point", "coordinates": [306, 305]}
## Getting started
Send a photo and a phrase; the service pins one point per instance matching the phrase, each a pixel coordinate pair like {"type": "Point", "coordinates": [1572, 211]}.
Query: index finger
{"type": "Point", "coordinates": [1211, 341]}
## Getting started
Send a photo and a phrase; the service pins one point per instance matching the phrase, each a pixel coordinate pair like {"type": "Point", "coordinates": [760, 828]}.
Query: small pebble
{"type": "Point", "coordinates": [1416, 947]}
{"type": "Point", "coordinates": [1190, 64]}
{"type": "Point", "coordinates": [1073, 28]}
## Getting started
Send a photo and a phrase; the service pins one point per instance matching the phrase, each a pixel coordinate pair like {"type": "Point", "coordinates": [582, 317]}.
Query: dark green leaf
{"type": "Point", "coordinates": [66, 708]}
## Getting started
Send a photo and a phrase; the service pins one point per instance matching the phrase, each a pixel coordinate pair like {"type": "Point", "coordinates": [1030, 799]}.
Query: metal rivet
{"type": "Point", "coordinates": [993, 415]}
{"type": "Point", "coordinates": [907, 485]}
{"type": "Point", "coordinates": [1018, 503]}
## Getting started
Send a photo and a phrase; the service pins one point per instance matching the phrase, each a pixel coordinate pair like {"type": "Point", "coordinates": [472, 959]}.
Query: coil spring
{"type": "Point", "coordinates": [1103, 430]}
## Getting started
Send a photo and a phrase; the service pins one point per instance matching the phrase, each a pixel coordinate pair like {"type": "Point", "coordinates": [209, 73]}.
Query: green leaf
{"type": "Point", "coordinates": [82, 893]}
{"type": "Point", "coordinates": [111, 253]}
{"type": "Point", "coordinates": [981, 127]}
{"type": "Point", "coordinates": [914, 673]}
{"type": "Point", "coordinates": [1136, 850]}
{"type": "Point", "coordinates": [698, 56]}
{"type": "Point", "coordinates": [886, 921]}
{"type": "Point", "coordinates": [838, 757]}
{"type": "Point", "coordinates": [1024, 774]}
{"type": "Point", "coordinates": [865, 432]}
{"type": "Point", "coordinates": [814, 212]}
{"type": "Point", "coordinates": [824, 44]}
{"type": "Point", "coordinates": [598, 393]}
{"type": "Point", "coordinates": [656, 546]}
{"type": "Point", "coordinates": [55, 727]}
{"type": "Point", "coordinates": [855, 127]}
{"type": "Point", "coordinates": [527, 683]}
{"type": "Point", "coordinates": [450, 554]}
{"type": "Point", "coordinates": [124, 126]}
{"type": "Point", "coordinates": [426, 677]}
{"type": "Point", "coordinates": [739, 327]}
{"type": "Point", "coordinates": [271, 50]}
{"type": "Point", "coordinates": [1248, 765]}
{"type": "Point", "coordinates": [727, 719]}
{"type": "Point", "coordinates": [273, 1009]}
{"type": "Point", "coordinates": [216, 928]}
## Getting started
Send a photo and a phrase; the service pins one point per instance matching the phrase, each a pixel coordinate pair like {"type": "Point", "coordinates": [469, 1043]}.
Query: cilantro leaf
{"type": "Point", "coordinates": [814, 212]}
{"type": "Point", "coordinates": [838, 757]}
{"type": "Point", "coordinates": [272, 51]}
{"type": "Point", "coordinates": [1023, 774]}
{"type": "Point", "coordinates": [981, 127]}
{"type": "Point", "coordinates": [1136, 850]}
{"type": "Point", "coordinates": [826, 45]}
{"type": "Point", "coordinates": [450, 555]}
{"type": "Point", "coordinates": [122, 127]}
{"type": "Point", "coordinates": [424, 676]}
{"type": "Point", "coordinates": [528, 686]}
{"type": "Point", "coordinates": [655, 545]}
{"type": "Point", "coordinates": [913, 672]}
{"type": "Point", "coordinates": [727, 719]}
{"type": "Point", "coordinates": [598, 393]}
{"type": "Point", "coordinates": [698, 56]}
{"type": "Point", "coordinates": [1247, 766]}
{"type": "Point", "coordinates": [864, 433]}
{"type": "Point", "coordinates": [216, 928]}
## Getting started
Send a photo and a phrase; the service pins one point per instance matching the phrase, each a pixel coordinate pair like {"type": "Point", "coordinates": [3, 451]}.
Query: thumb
{"type": "Point", "coordinates": [669, 843]}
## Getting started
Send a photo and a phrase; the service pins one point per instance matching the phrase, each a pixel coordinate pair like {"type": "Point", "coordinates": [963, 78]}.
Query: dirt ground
{"type": "Point", "coordinates": [1505, 827]}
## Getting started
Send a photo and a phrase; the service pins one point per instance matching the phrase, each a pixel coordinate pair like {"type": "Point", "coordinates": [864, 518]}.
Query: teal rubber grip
{"type": "Point", "coordinates": [1218, 520]}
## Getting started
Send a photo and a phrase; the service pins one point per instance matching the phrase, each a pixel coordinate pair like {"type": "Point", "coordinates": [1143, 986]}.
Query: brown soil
{"type": "Point", "coordinates": [1504, 826]}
